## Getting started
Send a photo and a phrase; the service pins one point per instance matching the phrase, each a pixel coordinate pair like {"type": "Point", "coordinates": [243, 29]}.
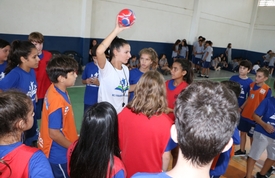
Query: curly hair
{"type": "Point", "coordinates": [150, 95]}
{"type": "Point", "coordinates": [153, 56]}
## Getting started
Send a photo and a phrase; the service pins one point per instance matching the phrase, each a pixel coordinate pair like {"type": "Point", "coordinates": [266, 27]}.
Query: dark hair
{"type": "Point", "coordinates": [264, 70]}
{"type": "Point", "coordinates": [36, 37]}
{"type": "Point", "coordinates": [234, 86]}
{"type": "Point", "coordinates": [60, 65]}
{"type": "Point", "coordinates": [186, 66]}
{"type": "Point", "coordinates": [18, 49]}
{"type": "Point", "coordinates": [229, 45]}
{"type": "Point", "coordinates": [206, 115]}
{"type": "Point", "coordinates": [175, 44]}
{"type": "Point", "coordinates": [97, 144]}
{"type": "Point", "coordinates": [14, 105]}
{"type": "Point", "coordinates": [4, 43]}
{"type": "Point", "coordinates": [246, 64]}
{"type": "Point", "coordinates": [94, 48]}
{"type": "Point", "coordinates": [116, 44]}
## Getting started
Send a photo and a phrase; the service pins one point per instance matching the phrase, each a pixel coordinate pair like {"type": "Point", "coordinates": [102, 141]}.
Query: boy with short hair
{"type": "Point", "coordinates": [263, 137]}
{"type": "Point", "coordinates": [199, 143]}
{"type": "Point", "coordinates": [244, 81]}
{"type": "Point", "coordinates": [42, 79]}
{"type": "Point", "coordinates": [257, 93]}
{"type": "Point", "coordinates": [58, 128]}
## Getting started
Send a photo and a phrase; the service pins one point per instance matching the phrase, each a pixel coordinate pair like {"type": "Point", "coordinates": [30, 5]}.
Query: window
{"type": "Point", "coordinates": [266, 2]}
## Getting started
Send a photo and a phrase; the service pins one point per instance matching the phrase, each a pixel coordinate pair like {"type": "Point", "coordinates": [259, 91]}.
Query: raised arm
{"type": "Point", "coordinates": [101, 57]}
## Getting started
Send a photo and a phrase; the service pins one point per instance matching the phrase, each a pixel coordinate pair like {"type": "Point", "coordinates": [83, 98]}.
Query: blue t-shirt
{"type": "Point", "coordinates": [153, 175]}
{"type": "Point", "coordinates": [222, 164]}
{"type": "Point", "coordinates": [38, 166]}
{"type": "Point", "coordinates": [266, 110]}
{"type": "Point", "coordinates": [24, 81]}
{"type": "Point", "coordinates": [58, 153]}
{"type": "Point", "coordinates": [245, 87]}
{"type": "Point", "coordinates": [134, 77]}
{"type": "Point", "coordinates": [91, 91]}
{"type": "Point", "coordinates": [2, 68]}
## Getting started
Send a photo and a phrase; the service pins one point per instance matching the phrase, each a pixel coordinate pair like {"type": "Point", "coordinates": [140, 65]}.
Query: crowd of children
{"type": "Point", "coordinates": [133, 120]}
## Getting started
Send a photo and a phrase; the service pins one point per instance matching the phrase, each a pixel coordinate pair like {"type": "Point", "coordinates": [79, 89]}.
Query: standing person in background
{"type": "Point", "coordinates": [90, 79]}
{"type": "Point", "coordinates": [198, 55]}
{"type": "Point", "coordinates": [4, 53]}
{"type": "Point", "coordinates": [228, 53]}
{"type": "Point", "coordinates": [271, 64]}
{"type": "Point", "coordinates": [206, 59]}
{"type": "Point", "coordinates": [266, 58]}
{"type": "Point", "coordinates": [144, 127]}
{"type": "Point", "coordinates": [22, 61]}
{"type": "Point", "coordinates": [148, 59]}
{"type": "Point", "coordinates": [42, 79]}
{"type": "Point", "coordinates": [114, 75]}
{"type": "Point", "coordinates": [175, 49]}
{"type": "Point", "coordinates": [92, 46]}
{"type": "Point", "coordinates": [96, 153]}
{"type": "Point", "coordinates": [133, 63]}
{"type": "Point", "coordinates": [17, 159]}
{"type": "Point", "coordinates": [183, 50]}
{"type": "Point", "coordinates": [194, 49]}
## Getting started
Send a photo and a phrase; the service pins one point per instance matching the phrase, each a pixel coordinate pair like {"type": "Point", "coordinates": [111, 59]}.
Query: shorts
{"type": "Point", "coordinates": [259, 144]}
{"type": "Point", "coordinates": [60, 170]}
{"type": "Point", "coordinates": [38, 109]}
{"type": "Point", "coordinates": [271, 67]}
{"type": "Point", "coordinates": [206, 64]}
{"type": "Point", "coordinates": [245, 126]}
{"type": "Point", "coordinates": [196, 61]}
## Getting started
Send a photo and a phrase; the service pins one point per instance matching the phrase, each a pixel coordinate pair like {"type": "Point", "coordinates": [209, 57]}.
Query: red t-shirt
{"type": "Point", "coordinates": [42, 79]}
{"type": "Point", "coordinates": [142, 141]}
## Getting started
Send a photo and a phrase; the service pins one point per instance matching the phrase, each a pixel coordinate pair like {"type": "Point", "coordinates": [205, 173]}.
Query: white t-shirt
{"type": "Point", "coordinates": [114, 85]}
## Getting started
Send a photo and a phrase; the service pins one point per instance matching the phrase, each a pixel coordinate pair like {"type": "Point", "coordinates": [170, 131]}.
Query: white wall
{"type": "Point", "coordinates": [157, 20]}
{"type": "Point", "coordinates": [264, 30]}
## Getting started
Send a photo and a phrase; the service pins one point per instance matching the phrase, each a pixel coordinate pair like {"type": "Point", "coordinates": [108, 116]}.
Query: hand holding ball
{"type": "Point", "coordinates": [126, 17]}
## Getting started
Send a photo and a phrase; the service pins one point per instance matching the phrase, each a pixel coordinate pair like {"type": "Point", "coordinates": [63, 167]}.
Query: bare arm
{"type": "Point", "coordinates": [100, 52]}
{"type": "Point", "coordinates": [132, 88]}
{"type": "Point", "coordinates": [59, 138]}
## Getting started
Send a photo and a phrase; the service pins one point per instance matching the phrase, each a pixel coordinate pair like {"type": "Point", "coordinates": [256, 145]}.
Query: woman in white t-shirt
{"type": "Point", "coordinates": [114, 75]}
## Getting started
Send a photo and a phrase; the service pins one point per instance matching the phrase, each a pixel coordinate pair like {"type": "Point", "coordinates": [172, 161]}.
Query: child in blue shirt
{"type": "Point", "coordinates": [90, 78]}
{"type": "Point", "coordinates": [20, 75]}
{"type": "Point", "coordinates": [4, 53]}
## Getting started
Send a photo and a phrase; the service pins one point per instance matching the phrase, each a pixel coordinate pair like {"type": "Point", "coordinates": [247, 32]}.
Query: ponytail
{"type": "Point", "coordinates": [18, 49]}
{"type": "Point", "coordinates": [186, 66]}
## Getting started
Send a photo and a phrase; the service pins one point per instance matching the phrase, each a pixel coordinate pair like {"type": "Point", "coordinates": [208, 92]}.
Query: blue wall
{"type": "Point", "coordinates": [81, 45]}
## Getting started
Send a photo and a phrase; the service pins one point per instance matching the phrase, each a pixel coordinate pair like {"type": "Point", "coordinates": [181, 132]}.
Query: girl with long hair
{"type": "Point", "coordinates": [144, 127]}
{"type": "Point", "coordinates": [19, 74]}
{"type": "Point", "coordinates": [96, 153]}
{"type": "Point", "coordinates": [148, 60]}
{"type": "Point", "coordinates": [17, 159]}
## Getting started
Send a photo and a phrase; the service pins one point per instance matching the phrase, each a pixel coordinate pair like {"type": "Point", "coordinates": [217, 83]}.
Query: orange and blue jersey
{"type": "Point", "coordinates": [256, 96]}
{"type": "Point", "coordinates": [57, 114]}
